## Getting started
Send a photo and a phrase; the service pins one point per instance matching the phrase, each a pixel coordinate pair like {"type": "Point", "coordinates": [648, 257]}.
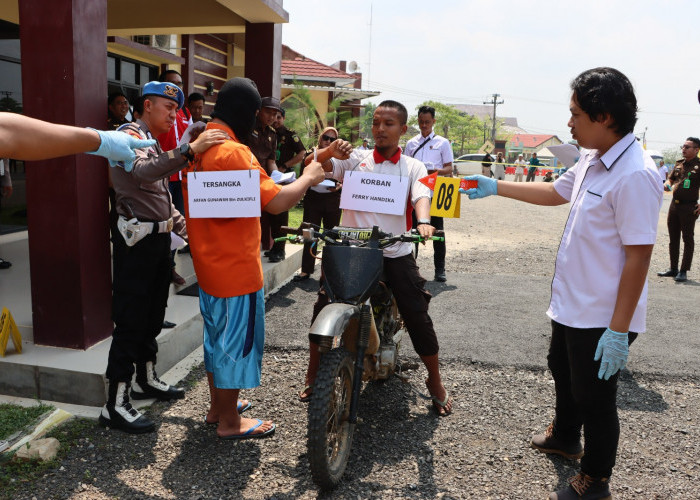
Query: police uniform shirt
{"type": "Point", "coordinates": [685, 170]}
{"type": "Point", "coordinates": [615, 201]}
{"type": "Point", "coordinates": [434, 154]}
{"type": "Point", "coordinates": [288, 145]}
{"type": "Point", "coordinates": [263, 143]}
{"type": "Point", "coordinates": [143, 193]}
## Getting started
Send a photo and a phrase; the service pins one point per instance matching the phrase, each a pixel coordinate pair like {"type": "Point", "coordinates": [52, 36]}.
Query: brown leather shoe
{"type": "Point", "coordinates": [547, 443]}
{"type": "Point", "coordinates": [584, 487]}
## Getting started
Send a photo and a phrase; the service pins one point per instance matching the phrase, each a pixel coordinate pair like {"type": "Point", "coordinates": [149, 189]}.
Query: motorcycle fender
{"type": "Point", "coordinates": [334, 319]}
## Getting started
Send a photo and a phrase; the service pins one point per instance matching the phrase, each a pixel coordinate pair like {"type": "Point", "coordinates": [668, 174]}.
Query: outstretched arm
{"type": "Point", "coordinates": [537, 193]}
{"type": "Point", "coordinates": [339, 149]}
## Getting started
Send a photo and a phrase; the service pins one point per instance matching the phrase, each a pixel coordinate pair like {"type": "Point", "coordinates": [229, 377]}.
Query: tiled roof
{"type": "Point", "coordinates": [297, 64]}
{"type": "Point", "coordinates": [529, 140]}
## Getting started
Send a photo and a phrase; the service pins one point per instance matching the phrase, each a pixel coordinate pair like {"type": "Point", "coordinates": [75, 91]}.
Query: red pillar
{"type": "Point", "coordinates": [64, 80]}
{"type": "Point", "coordinates": [263, 57]}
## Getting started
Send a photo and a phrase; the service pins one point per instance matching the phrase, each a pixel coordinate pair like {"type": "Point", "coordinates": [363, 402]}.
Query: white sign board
{"type": "Point", "coordinates": [370, 192]}
{"type": "Point", "coordinates": [229, 193]}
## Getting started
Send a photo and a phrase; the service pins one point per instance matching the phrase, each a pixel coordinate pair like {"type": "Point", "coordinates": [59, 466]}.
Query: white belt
{"type": "Point", "coordinates": [133, 230]}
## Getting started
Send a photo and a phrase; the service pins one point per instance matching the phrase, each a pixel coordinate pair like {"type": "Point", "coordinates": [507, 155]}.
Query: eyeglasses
{"type": "Point", "coordinates": [685, 146]}
{"type": "Point", "coordinates": [328, 138]}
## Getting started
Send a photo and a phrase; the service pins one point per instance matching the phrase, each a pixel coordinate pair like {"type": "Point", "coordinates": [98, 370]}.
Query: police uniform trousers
{"type": "Point", "coordinates": [681, 221]}
{"type": "Point", "coordinates": [320, 209]}
{"type": "Point", "coordinates": [403, 277]}
{"type": "Point", "coordinates": [139, 297]}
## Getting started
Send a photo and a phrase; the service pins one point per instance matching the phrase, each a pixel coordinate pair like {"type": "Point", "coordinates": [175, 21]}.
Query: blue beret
{"type": "Point", "coordinates": [165, 89]}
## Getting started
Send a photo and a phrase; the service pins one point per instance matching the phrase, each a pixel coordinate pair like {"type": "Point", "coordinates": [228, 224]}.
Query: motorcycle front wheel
{"type": "Point", "coordinates": [330, 432]}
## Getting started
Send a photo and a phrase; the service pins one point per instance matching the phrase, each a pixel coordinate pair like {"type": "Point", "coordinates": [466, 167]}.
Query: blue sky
{"type": "Point", "coordinates": [464, 51]}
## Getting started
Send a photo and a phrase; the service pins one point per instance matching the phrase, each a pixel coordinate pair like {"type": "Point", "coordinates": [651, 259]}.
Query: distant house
{"type": "Point", "coordinates": [526, 144]}
{"type": "Point", "coordinates": [325, 83]}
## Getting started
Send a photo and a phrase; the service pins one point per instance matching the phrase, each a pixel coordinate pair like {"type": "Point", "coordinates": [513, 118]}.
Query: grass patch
{"type": "Point", "coordinates": [14, 418]}
{"type": "Point", "coordinates": [296, 215]}
{"type": "Point", "coordinates": [14, 475]}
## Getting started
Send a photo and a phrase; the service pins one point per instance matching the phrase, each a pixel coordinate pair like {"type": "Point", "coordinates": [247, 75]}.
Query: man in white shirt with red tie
{"type": "Point", "coordinates": [436, 154]}
{"type": "Point", "coordinates": [400, 270]}
{"type": "Point", "coordinates": [599, 289]}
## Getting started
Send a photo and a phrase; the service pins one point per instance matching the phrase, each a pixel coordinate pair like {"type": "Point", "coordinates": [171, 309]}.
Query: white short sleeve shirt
{"type": "Point", "coordinates": [615, 201]}
{"type": "Point", "coordinates": [434, 155]}
{"type": "Point", "coordinates": [409, 169]}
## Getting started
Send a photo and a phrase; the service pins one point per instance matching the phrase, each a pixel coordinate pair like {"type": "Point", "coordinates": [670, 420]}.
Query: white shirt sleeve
{"type": "Point", "coordinates": [418, 189]}
{"type": "Point", "coordinates": [636, 206]}
{"type": "Point", "coordinates": [446, 151]}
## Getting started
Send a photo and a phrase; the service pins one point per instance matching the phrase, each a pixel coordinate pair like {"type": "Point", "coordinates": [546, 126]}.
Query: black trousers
{"type": "Point", "coordinates": [582, 399]}
{"type": "Point", "coordinates": [320, 209]}
{"type": "Point", "coordinates": [403, 277]}
{"type": "Point", "coordinates": [139, 298]}
{"type": "Point", "coordinates": [439, 248]}
{"type": "Point", "coordinates": [276, 222]}
{"type": "Point", "coordinates": [681, 221]}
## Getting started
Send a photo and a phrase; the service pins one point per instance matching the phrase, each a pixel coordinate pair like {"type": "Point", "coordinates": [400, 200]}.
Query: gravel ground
{"type": "Point", "coordinates": [401, 449]}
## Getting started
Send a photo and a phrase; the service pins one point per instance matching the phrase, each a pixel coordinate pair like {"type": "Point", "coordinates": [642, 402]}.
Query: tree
{"type": "Point", "coordinates": [366, 116]}
{"type": "Point", "coordinates": [461, 129]}
{"type": "Point", "coordinates": [671, 156]}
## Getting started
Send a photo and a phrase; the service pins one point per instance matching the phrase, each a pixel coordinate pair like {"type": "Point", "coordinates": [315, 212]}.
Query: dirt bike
{"type": "Point", "coordinates": [361, 330]}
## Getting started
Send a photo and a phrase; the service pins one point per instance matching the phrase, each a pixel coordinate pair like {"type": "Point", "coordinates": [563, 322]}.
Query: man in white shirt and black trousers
{"type": "Point", "coordinates": [436, 154]}
{"type": "Point", "coordinates": [599, 290]}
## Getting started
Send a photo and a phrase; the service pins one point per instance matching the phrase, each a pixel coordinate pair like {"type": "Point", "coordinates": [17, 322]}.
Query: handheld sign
{"type": "Point", "coordinates": [446, 198]}
{"type": "Point", "coordinates": [370, 192]}
{"type": "Point", "coordinates": [465, 184]}
{"type": "Point", "coordinates": [226, 193]}
{"type": "Point", "coordinates": [429, 180]}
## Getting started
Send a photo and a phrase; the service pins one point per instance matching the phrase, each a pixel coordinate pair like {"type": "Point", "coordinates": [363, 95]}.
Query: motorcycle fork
{"type": "Point", "coordinates": [362, 344]}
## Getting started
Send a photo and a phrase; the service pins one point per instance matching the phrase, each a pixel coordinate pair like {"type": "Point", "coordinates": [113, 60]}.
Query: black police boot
{"type": "Point", "coordinates": [548, 443]}
{"type": "Point", "coordinates": [681, 276]}
{"type": "Point", "coordinates": [440, 275]}
{"type": "Point", "coordinates": [148, 385]}
{"type": "Point", "coordinates": [119, 414]}
{"type": "Point", "coordinates": [584, 487]}
{"type": "Point", "coordinates": [668, 273]}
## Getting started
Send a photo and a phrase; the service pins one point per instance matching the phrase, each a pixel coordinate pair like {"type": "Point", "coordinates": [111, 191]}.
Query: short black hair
{"type": "Point", "coordinates": [695, 141]}
{"type": "Point", "coordinates": [114, 95]}
{"type": "Point", "coordinates": [138, 105]}
{"type": "Point", "coordinates": [403, 113]}
{"type": "Point", "coordinates": [167, 72]}
{"type": "Point", "coordinates": [195, 96]}
{"type": "Point", "coordinates": [427, 109]}
{"type": "Point", "coordinates": [601, 91]}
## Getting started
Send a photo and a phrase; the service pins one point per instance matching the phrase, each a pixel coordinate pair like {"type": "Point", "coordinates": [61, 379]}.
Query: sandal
{"type": "Point", "coordinates": [441, 406]}
{"type": "Point", "coordinates": [305, 395]}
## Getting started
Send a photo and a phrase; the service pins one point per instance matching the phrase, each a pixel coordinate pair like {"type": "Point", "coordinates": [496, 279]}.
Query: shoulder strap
{"type": "Point", "coordinates": [421, 146]}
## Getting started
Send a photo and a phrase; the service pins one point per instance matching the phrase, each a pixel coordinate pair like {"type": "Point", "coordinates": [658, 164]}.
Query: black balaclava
{"type": "Point", "coordinates": [236, 105]}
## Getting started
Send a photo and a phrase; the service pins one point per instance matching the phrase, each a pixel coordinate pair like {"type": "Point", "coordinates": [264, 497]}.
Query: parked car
{"type": "Point", "coordinates": [469, 164]}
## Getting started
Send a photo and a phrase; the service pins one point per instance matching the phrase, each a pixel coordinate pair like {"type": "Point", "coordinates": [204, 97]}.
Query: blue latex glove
{"type": "Point", "coordinates": [613, 348]}
{"type": "Point", "coordinates": [118, 148]}
{"type": "Point", "coordinates": [487, 187]}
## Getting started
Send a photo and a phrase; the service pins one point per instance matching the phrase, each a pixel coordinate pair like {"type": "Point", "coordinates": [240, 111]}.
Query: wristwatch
{"type": "Point", "coordinates": [186, 151]}
{"type": "Point", "coordinates": [422, 221]}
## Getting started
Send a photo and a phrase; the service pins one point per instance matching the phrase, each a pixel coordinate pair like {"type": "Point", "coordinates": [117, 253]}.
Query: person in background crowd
{"type": "Point", "coordinates": [548, 177]}
{"type": "Point", "coordinates": [436, 154]}
{"type": "Point", "coordinates": [599, 289]}
{"type": "Point", "coordinates": [321, 207]}
{"type": "Point", "coordinates": [519, 168]}
{"type": "Point", "coordinates": [195, 105]}
{"type": "Point", "coordinates": [663, 170]}
{"type": "Point", "coordinates": [499, 168]}
{"type": "Point", "coordinates": [117, 109]}
{"type": "Point", "coordinates": [231, 296]}
{"type": "Point", "coordinates": [684, 181]}
{"type": "Point", "coordinates": [486, 162]}
{"type": "Point", "coordinates": [365, 145]}
{"type": "Point", "coordinates": [262, 141]}
{"type": "Point", "coordinates": [142, 272]}
{"type": "Point", "coordinates": [137, 112]}
{"type": "Point", "coordinates": [532, 170]}
{"type": "Point", "coordinates": [168, 141]}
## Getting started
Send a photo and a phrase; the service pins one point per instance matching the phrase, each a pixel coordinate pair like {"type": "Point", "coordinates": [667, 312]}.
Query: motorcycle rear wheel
{"type": "Point", "coordinates": [330, 433]}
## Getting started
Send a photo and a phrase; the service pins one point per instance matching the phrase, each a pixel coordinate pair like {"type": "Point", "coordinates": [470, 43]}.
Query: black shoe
{"type": "Point", "coordinates": [669, 273]}
{"type": "Point", "coordinates": [681, 276]}
{"type": "Point", "coordinates": [276, 257]}
{"type": "Point", "coordinates": [148, 385]}
{"type": "Point", "coordinates": [5, 264]}
{"type": "Point", "coordinates": [584, 487]}
{"type": "Point", "coordinates": [547, 443]}
{"type": "Point", "coordinates": [169, 324]}
{"type": "Point", "coordinates": [185, 249]}
{"type": "Point", "coordinates": [119, 414]}
{"type": "Point", "coordinates": [301, 277]}
{"type": "Point", "coordinates": [267, 253]}
{"type": "Point", "coordinates": [440, 276]}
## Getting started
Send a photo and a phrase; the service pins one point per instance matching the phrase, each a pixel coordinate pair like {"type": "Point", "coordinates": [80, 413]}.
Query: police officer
{"type": "Point", "coordinates": [684, 181]}
{"type": "Point", "coordinates": [142, 259]}
{"type": "Point", "coordinates": [263, 143]}
{"type": "Point", "coordinates": [290, 151]}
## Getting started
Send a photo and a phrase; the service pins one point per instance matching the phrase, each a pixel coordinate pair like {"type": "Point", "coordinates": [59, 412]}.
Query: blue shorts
{"type": "Point", "coordinates": [234, 337]}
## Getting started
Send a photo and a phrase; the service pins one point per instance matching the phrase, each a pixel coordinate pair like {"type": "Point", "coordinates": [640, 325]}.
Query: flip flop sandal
{"type": "Point", "coordinates": [308, 390]}
{"type": "Point", "coordinates": [437, 404]}
{"type": "Point", "coordinates": [240, 408]}
{"type": "Point", "coordinates": [249, 433]}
